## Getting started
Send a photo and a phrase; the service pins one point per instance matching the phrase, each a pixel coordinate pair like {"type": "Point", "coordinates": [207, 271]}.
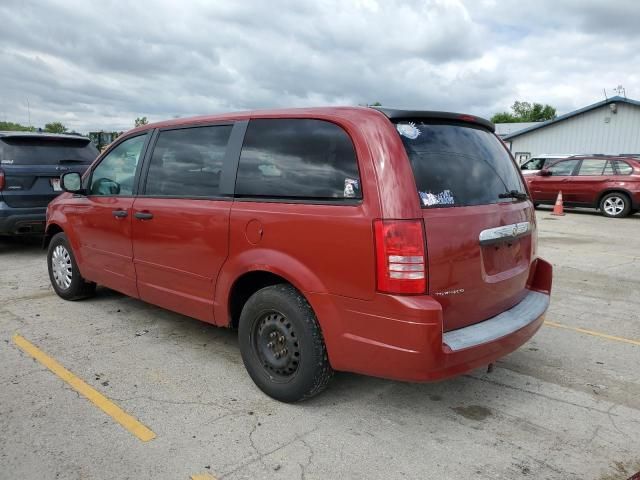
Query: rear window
{"type": "Point", "coordinates": [46, 151]}
{"type": "Point", "coordinates": [298, 159]}
{"type": "Point", "coordinates": [457, 165]}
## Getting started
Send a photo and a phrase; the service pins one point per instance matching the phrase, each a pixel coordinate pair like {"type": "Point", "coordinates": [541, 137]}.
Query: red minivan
{"type": "Point", "coordinates": [400, 244]}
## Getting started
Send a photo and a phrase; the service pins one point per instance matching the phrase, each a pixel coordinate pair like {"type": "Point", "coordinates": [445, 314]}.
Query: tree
{"type": "Point", "coordinates": [525, 112]}
{"type": "Point", "coordinates": [141, 121]}
{"type": "Point", "coordinates": [55, 127]}
{"type": "Point", "coordinates": [14, 127]}
{"type": "Point", "coordinates": [376, 104]}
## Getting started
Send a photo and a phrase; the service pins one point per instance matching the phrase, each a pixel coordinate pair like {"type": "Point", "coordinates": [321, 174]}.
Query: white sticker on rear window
{"type": "Point", "coordinates": [6, 162]}
{"type": "Point", "coordinates": [443, 198]}
{"type": "Point", "coordinates": [408, 130]}
{"type": "Point", "coordinates": [351, 186]}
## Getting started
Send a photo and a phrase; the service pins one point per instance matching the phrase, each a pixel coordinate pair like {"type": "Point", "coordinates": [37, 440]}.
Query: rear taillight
{"type": "Point", "coordinates": [400, 256]}
{"type": "Point", "coordinates": [1, 179]}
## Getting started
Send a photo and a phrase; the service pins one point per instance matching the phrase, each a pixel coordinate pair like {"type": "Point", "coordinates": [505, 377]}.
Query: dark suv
{"type": "Point", "coordinates": [30, 169]}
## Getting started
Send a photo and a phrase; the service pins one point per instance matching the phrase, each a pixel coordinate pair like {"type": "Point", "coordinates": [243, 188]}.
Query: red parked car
{"type": "Point", "coordinates": [399, 244]}
{"type": "Point", "coordinates": [608, 183]}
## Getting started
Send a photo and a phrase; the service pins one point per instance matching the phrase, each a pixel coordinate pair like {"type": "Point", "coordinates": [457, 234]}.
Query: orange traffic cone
{"type": "Point", "coordinates": [558, 208]}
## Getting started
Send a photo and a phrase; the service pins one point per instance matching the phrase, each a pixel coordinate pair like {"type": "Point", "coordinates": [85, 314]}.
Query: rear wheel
{"type": "Point", "coordinates": [282, 346]}
{"type": "Point", "coordinates": [615, 205]}
{"type": "Point", "coordinates": [63, 271]}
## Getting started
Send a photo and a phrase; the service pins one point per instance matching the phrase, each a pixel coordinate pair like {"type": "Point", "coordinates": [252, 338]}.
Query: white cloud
{"type": "Point", "coordinates": [100, 66]}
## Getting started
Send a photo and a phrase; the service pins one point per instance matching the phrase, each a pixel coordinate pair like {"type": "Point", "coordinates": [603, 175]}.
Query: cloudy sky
{"type": "Point", "coordinates": [98, 65]}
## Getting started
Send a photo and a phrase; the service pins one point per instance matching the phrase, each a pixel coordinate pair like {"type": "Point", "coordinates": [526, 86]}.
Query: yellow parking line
{"type": "Point", "coordinates": [203, 476]}
{"type": "Point", "coordinates": [594, 333]}
{"type": "Point", "coordinates": [95, 397]}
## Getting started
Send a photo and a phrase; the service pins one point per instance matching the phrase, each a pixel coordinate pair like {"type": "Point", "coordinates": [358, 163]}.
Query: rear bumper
{"type": "Point", "coordinates": [21, 221]}
{"type": "Point", "coordinates": [402, 338]}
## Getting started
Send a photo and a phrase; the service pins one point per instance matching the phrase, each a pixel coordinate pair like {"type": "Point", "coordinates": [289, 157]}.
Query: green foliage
{"type": "Point", "coordinates": [15, 127]}
{"type": "Point", "coordinates": [376, 104]}
{"type": "Point", "coordinates": [55, 127]}
{"type": "Point", "coordinates": [525, 112]}
{"type": "Point", "coordinates": [141, 121]}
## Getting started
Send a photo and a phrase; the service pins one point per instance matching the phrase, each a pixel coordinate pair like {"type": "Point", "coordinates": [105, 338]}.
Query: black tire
{"type": "Point", "coordinates": [60, 252]}
{"type": "Point", "coordinates": [615, 205]}
{"type": "Point", "coordinates": [282, 346]}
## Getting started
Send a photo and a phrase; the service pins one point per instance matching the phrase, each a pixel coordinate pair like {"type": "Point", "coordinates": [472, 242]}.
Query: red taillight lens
{"type": "Point", "coordinates": [400, 256]}
{"type": "Point", "coordinates": [1, 180]}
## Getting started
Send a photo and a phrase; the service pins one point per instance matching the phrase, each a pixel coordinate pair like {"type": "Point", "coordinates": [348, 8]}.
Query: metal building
{"type": "Point", "coordinates": [608, 127]}
{"type": "Point", "coordinates": [505, 129]}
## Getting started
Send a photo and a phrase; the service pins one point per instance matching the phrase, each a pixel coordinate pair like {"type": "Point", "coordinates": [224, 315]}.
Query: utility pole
{"type": "Point", "coordinates": [28, 112]}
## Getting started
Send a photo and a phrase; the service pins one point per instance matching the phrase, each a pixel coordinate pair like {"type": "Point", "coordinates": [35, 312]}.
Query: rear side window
{"type": "Point", "coordinates": [564, 168]}
{"type": "Point", "coordinates": [297, 158]}
{"type": "Point", "coordinates": [188, 162]}
{"type": "Point", "coordinates": [458, 165]}
{"type": "Point", "coordinates": [31, 150]}
{"type": "Point", "coordinates": [623, 167]}
{"type": "Point", "coordinates": [592, 167]}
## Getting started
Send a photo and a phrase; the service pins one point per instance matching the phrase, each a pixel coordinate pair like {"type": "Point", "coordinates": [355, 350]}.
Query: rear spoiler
{"type": "Point", "coordinates": [395, 114]}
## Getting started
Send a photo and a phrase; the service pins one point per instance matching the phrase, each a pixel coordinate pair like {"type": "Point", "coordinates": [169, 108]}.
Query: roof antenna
{"type": "Point", "coordinates": [620, 91]}
{"type": "Point", "coordinates": [604, 91]}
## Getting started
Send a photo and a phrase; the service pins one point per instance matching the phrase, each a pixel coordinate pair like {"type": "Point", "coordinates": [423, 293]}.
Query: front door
{"type": "Point", "coordinates": [180, 220]}
{"type": "Point", "coordinates": [101, 220]}
{"type": "Point", "coordinates": [545, 188]}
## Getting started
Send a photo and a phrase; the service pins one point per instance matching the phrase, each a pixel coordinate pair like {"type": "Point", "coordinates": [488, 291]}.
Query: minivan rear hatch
{"type": "Point", "coordinates": [478, 220]}
{"type": "Point", "coordinates": [32, 165]}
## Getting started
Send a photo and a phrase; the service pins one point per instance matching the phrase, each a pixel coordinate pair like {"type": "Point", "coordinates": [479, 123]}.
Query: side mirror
{"type": "Point", "coordinates": [545, 173]}
{"type": "Point", "coordinates": [71, 182]}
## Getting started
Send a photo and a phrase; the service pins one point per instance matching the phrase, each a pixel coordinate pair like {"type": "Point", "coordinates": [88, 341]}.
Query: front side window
{"type": "Point", "coordinates": [297, 158]}
{"type": "Point", "coordinates": [188, 162]}
{"type": "Point", "coordinates": [592, 167]}
{"type": "Point", "coordinates": [563, 168]}
{"type": "Point", "coordinates": [116, 172]}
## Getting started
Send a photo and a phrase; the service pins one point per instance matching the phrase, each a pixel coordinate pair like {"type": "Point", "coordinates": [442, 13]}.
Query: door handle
{"type": "Point", "coordinates": [143, 215]}
{"type": "Point", "coordinates": [119, 213]}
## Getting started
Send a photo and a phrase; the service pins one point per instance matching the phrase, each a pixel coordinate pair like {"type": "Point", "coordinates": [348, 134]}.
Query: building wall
{"type": "Point", "coordinates": [586, 133]}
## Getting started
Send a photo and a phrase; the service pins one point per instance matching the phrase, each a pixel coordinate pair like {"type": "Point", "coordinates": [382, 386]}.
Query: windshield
{"type": "Point", "coordinates": [46, 151]}
{"type": "Point", "coordinates": [458, 164]}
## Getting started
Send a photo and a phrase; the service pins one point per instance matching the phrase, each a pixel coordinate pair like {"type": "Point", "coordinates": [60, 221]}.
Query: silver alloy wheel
{"type": "Point", "coordinates": [614, 206]}
{"type": "Point", "coordinates": [61, 267]}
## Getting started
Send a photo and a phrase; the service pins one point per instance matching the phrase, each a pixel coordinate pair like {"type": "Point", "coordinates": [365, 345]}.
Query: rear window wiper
{"type": "Point", "coordinates": [514, 194]}
{"type": "Point", "coordinates": [71, 160]}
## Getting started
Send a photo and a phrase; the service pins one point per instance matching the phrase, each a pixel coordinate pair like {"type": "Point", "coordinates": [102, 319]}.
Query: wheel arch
{"type": "Point", "coordinates": [245, 286]}
{"type": "Point", "coordinates": [257, 268]}
{"type": "Point", "coordinates": [52, 229]}
{"type": "Point", "coordinates": [606, 192]}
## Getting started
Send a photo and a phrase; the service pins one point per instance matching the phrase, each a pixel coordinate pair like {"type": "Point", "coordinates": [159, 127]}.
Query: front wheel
{"type": "Point", "coordinates": [63, 271]}
{"type": "Point", "coordinates": [615, 205]}
{"type": "Point", "coordinates": [282, 346]}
